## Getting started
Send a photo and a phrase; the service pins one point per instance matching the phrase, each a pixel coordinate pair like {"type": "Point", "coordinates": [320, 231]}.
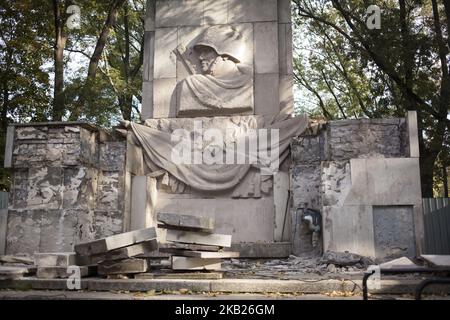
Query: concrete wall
{"type": "Point", "coordinates": [67, 186]}
{"type": "Point", "coordinates": [361, 174]}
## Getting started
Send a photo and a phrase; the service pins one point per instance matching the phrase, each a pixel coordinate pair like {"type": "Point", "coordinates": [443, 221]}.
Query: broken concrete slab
{"type": "Point", "coordinates": [202, 254]}
{"type": "Point", "coordinates": [344, 259]}
{"type": "Point", "coordinates": [185, 222]}
{"type": "Point", "coordinates": [143, 248]}
{"type": "Point", "coordinates": [215, 239]}
{"type": "Point", "coordinates": [16, 259]}
{"type": "Point", "coordinates": [57, 259]}
{"type": "Point", "coordinates": [186, 246]}
{"type": "Point", "coordinates": [122, 267]}
{"type": "Point", "coordinates": [437, 260]}
{"type": "Point", "coordinates": [115, 242]}
{"type": "Point", "coordinates": [180, 275]}
{"type": "Point", "coordinates": [399, 263]}
{"type": "Point", "coordinates": [187, 263]}
{"type": "Point", "coordinates": [10, 272]}
{"type": "Point", "coordinates": [64, 272]}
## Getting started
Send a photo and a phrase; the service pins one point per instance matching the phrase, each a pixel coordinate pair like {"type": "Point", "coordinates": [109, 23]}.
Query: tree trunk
{"type": "Point", "coordinates": [111, 20]}
{"type": "Point", "coordinates": [60, 44]}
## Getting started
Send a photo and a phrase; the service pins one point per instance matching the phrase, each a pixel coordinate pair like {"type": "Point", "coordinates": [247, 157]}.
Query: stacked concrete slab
{"type": "Point", "coordinates": [193, 243]}
{"type": "Point", "coordinates": [60, 265]}
{"type": "Point", "coordinates": [121, 254]}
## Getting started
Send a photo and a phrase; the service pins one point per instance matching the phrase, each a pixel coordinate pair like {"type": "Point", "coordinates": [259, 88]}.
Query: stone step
{"type": "Point", "coordinates": [201, 254]}
{"type": "Point", "coordinates": [180, 275]}
{"type": "Point", "coordinates": [126, 266]}
{"type": "Point", "coordinates": [185, 222]}
{"type": "Point", "coordinates": [214, 239]}
{"type": "Point", "coordinates": [188, 263]}
{"type": "Point", "coordinates": [143, 248]}
{"type": "Point", "coordinates": [115, 242]}
{"type": "Point", "coordinates": [64, 272]}
{"type": "Point", "coordinates": [56, 259]}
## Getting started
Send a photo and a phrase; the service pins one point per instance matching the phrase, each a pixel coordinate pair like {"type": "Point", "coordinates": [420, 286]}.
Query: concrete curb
{"type": "Point", "coordinates": [221, 286]}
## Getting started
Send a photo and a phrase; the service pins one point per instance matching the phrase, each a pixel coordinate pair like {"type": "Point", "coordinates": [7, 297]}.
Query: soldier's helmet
{"type": "Point", "coordinates": [225, 40]}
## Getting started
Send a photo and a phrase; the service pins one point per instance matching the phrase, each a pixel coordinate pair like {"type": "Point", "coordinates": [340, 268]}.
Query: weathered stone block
{"type": "Point", "coordinates": [349, 228]}
{"type": "Point", "coordinates": [285, 49]}
{"type": "Point", "coordinates": [115, 242]}
{"type": "Point", "coordinates": [62, 272]}
{"type": "Point", "coordinates": [88, 145]}
{"type": "Point", "coordinates": [266, 47]}
{"type": "Point", "coordinates": [56, 259]}
{"type": "Point", "coordinates": [57, 231]}
{"type": "Point", "coordinates": [182, 221]}
{"type": "Point", "coordinates": [112, 156]}
{"type": "Point", "coordinates": [31, 133]}
{"type": "Point", "coordinates": [164, 98]}
{"type": "Point", "coordinates": [201, 254]}
{"type": "Point", "coordinates": [284, 11]}
{"type": "Point", "coordinates": [107, 223]}
{"type": "Point", "coordinates": [122, 267]}
{"type": "Point", "coordinates": [186, 263]}
{"type": "Point", "coordinates": [213, 239]}
{"type": "Point", "coordinates": [19, 188]}
{"type": "Point", "coordinates": [147, 100]}
{"type": "Point", "coordinates": [24, 228]}
{"type": "Point", "coordinates": [286, 92]}
{"type": "Point", "coordinates": [394, 231]}
{"type": "Point", "coordinates": [172, 13]}
{"type": "Point", "coordinates": [149, 56]}
{"type": "Point", "coordinates": [143, 248]}
{"type": "Point", "coordinates": [252, 10]}
{"type": "Point", "coordinates": [45, 187]}
{"type": "Point", "coordinates": [80, 185]}
{"type": "Point", "coordinates": [108, 191]}
{"type": "Point", "coordinates": [267, 101]}
{"type": "Point", "coordinates": [165, 59]}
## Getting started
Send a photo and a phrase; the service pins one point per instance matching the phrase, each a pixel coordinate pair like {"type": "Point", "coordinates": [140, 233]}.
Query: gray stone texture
{"type": "Point", "coordinates": [67, 187]}
{"type": "Point", "coordinates": [339, 170]}
{"type": "Point", "coordinates": [393, 231]}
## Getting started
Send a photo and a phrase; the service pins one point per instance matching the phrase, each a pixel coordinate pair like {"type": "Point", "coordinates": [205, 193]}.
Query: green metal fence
{"type": "Point", "coordinates": [437, 225]}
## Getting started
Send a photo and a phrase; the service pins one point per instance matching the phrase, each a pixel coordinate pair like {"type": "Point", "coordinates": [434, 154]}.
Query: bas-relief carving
{"type": "Point", "coordinates": [219, 82]}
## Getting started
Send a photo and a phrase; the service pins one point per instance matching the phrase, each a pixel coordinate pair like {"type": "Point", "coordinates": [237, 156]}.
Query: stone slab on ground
{"type": "Point", "coordinates": [400, 263]}
{"type": "Point", "coordinates": [16, 259]}
{"type": "Point", "coordinates": [188, 263]}
{"type": "Point", "coordinates": [214, 239]}
{"type": "Point", "coordinates": [10, 272]}
{"type": "Point", "coordinates": [142, 248]}
{"type": "Point", "coordinates": [187, 246]}
{"type": "Point", "coordinates": [63, 272]}
{"type": "Point", "coordinates": [115, 242]}
{"type": "Point", "coordinates": [441, 261]}
{"type": "Point", "coordinates": [181, 275]}
{"type": "Point", "coordinates": [201, 254]}
{"type": "Point", "coordinates": [185, 222]}
{"type": "Point", "coordinates": [57, 259]}
{"type": "Point", "coordinates": [400, 286]}
{"type": "Point", "coordinates": [126, 266]}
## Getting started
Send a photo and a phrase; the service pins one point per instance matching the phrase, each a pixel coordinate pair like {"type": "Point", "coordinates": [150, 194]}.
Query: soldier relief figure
{"type": "Point", "coordinates": [224, 85]}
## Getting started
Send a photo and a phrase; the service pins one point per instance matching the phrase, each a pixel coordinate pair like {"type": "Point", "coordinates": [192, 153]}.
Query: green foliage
{"type": "Point", "coordinates": [349, 71]}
